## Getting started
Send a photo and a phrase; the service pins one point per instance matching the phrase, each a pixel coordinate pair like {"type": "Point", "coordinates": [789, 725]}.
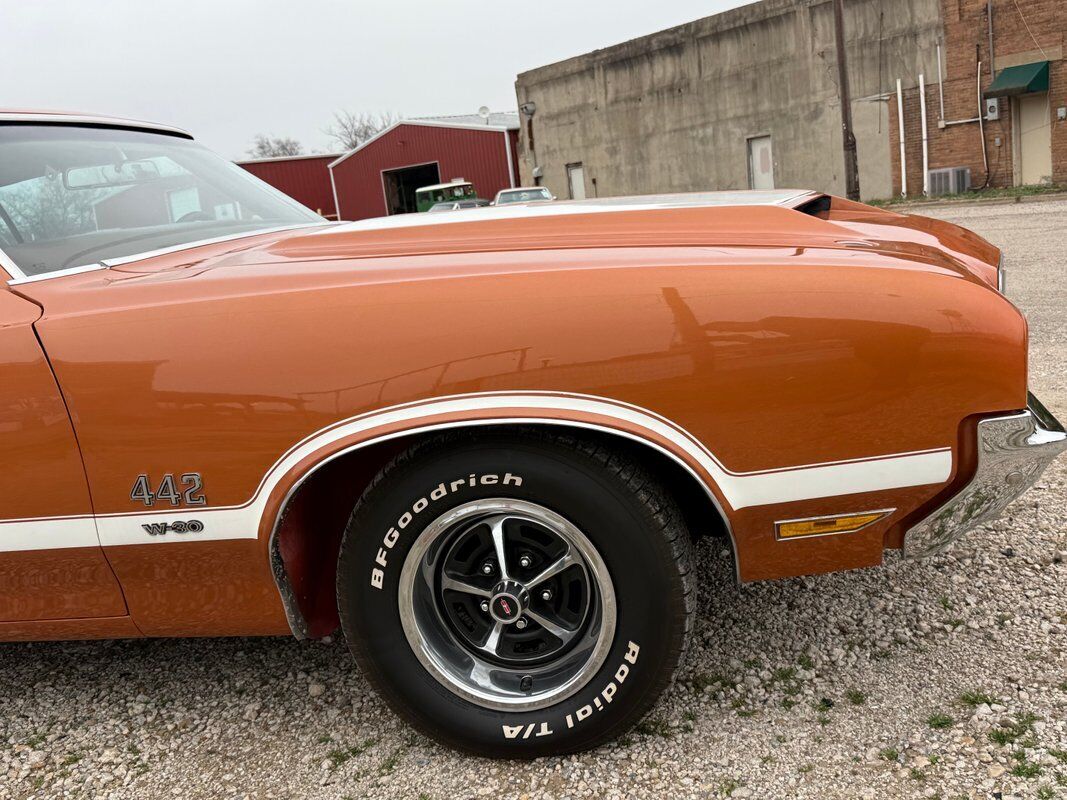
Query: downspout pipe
{"type": "Point", "coordinates": [940, 84]}
{"type": "Point", "coordinates": [903, 155]}
{"type": "Point", "coordinates": [926, 139]}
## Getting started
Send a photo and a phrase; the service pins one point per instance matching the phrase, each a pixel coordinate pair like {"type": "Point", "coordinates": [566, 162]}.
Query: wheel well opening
{"type": "Point", "coordinates": [307, 538]}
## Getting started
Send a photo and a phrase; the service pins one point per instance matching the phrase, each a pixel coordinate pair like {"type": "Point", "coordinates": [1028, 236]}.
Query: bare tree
{"type": "Point", "coordinates": [350, 129]}
{"type": "Point", "coordinates": [273, 147]}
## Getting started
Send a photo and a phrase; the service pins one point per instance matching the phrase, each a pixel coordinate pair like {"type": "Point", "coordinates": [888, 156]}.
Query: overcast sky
{"type": "Point", "coordinates": [229, 69]}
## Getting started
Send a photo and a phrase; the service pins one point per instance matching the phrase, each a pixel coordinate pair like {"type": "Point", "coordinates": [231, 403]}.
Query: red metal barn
{"type": "Point", "coordinates": [306, 179]}
{"type": "Point", "coordinates": [380, 176]}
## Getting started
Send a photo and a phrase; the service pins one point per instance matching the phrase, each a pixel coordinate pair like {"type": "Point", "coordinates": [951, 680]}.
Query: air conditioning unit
{"type": "Point", "coordinates": [950, 180]}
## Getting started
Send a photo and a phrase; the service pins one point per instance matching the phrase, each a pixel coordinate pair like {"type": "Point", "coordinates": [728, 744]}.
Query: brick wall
{"type": "Point", "coordinates": [966, 42]}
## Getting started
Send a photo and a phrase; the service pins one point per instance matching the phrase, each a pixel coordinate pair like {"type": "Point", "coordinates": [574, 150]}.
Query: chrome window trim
{"type": "Point", "coordinates": [11, 268]}
{"type": "Point", "coordinates": [19, 277]}
{"type": "Point", "coordinates": [59, 273]}
{"type": "Point", "coordinates": [1002, 277]}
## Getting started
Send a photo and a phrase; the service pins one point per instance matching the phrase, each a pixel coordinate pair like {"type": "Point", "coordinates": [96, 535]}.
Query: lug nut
{"type": "Point", "coordinates": [487, 568]}
{"type": "Point", "coordinates": [526, 683]}
{"type": "Point", "coordinates": [484, 606]}
{"type": "Point", "coordinates": [521, 623]}
{"type": "Point", "coordinates": [546, 595]}
{"type": "Point", "coordinates": [525, 561]}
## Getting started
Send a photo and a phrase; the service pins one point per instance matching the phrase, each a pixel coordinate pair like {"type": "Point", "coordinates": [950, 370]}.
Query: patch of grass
{"type": "Point", "coordinates": [653, 726]}
{"type": "Point", "coordinates": [71, 758]}
{"type": "Point", "coordinates": [1026, 769]}
{"type": "Point", "coordinates": [784, 674]}
{"type": "Point", "coordinates": [935, 759]}
{"type": "Point", "coordinates": [1012, 733]}
{"type": "Point", "coordinates": [823, 720]}
{"type": "Point", "coordinates": [390, 762]}
{"type": "Point", "coordinates": [788, 703]}
{"type": "Point", "coordinates": [339, 756]}
{"type": "Point", "coordinates": [939, 721]}
{"type": "Point", "coordinates": [805, 769]}
{"type": "Point", "coordinates": [976, 698]}
{"type": "Point", "coordinates": [35, 741]}
{"type": "Point", "coordinates": [955, 622]}
{"type": "Point", "coordinates": [689, 716]}
{"type": "Point", "coordinates": [824, 704]}
{"type": "Point", "coordinates": [889, 753]}
{"type": "Point", "coordinates": [753, 663]}
{"type": "Point", "coordinates": [1045, 793]}
{"type": "Point", "coordinates": [746, 713]}
{"type": "Point", "coordinates": [729, 786]}
{"type": "Point", "coordinates": [703, 680]}
{"type": "Point", "coordinates": [1059, 755]}
{"type": "Point", "coordinates": [805, 661]}
{"type": "Point", "coordinates": [945, 603]}
{"type": "Point", "coordinates": [917, 774]}
{"type": "Point", "coordinates": [856, 697]}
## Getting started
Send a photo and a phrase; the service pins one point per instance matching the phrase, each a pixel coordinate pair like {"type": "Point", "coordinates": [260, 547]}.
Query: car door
{"type": "Point", "coordinates": [51, 563]}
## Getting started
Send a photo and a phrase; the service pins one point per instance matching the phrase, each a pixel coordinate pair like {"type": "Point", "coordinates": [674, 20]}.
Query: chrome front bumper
{"type": "Point", "coordinates": [1013, 451]}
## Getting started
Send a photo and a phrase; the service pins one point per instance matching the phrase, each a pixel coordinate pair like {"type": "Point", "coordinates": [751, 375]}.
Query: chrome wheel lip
{"type": "Point", "coordinates": [444, 672]}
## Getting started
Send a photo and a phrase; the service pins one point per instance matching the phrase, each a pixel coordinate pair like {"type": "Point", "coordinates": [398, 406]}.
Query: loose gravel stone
{"type": "Point", "coordinates": [943, 678]}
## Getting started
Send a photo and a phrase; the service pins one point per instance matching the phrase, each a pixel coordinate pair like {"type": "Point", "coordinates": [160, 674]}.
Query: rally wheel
{"type": "Point", "coordinates": [516, 593]}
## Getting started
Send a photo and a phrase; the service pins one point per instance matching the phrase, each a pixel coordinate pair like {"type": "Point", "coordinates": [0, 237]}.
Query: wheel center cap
{"type": "Point", "coordinates": [508, 602]}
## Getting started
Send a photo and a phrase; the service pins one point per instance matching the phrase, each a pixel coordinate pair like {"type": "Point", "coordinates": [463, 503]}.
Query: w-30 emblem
{"type": "Point", "coordinates": [179, 526]}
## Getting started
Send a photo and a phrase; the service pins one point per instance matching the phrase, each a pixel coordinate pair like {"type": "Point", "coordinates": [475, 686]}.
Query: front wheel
{"type": "Point", "coordinates": [516, 594]}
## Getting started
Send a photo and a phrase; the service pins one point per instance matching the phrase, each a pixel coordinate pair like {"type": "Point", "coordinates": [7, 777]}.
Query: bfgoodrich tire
{"type": "Point", "coordinates": [516, 593]}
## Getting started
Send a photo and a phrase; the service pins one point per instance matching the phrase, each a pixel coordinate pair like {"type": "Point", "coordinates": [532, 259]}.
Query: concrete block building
{"type": "Point", "coordinates": [749, 99]}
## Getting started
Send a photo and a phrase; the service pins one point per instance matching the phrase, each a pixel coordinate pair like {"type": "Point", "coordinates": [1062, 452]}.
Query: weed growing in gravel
{"type": "Point", "coordinates": [1045, 793]}
{"type": "Point", "coordinates": [939, 721]}
{"type": "Point", "coordinates": [856, 697]}
{"type": "Point", "coordinates": [917, 774]}
{"type": "Point", "coordinates": [1024, 768]}
{"type": "Point", "coordinates": [341, 755]}
{"type": "Point", "coordinates": [702, 680]}
{"type": "Point", "coordinates": [784, 674]}
{"type": "Point", "coordinates": [1013, 732]}
{"type": "Point", "coordinates": [653, 727]}
{"type": "Point", "coordinates": [746, 713]}
{"type": "Point", "coordinates": [805, 769]}
{"type": "Point", "coordinates": [1059, 755]}
{"type": "Point", "coordinates": [889, 753]}
{"type": "Point", "coordinates": [390, 762]}
{"type": "Point", "coordinates": [689, 716]}
{"type": "Point", "coordinates": [729, 786]}
{"type": "Point", "coordinates": [977, 698]}
{"type": "Point", "coordinates": [945, 603]}
{"type": "Point", "coordinates": [805, 661]}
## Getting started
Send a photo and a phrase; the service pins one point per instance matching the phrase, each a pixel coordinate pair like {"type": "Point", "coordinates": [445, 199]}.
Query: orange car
{"type": "Point", "coordinates": [481, 445]}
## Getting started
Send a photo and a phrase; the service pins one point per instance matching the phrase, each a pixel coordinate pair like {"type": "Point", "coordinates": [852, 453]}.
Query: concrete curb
{"type": "Point", "coordinates": [978, 201]}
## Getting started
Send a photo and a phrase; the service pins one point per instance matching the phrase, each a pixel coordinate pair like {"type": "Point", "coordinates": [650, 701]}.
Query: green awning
{"type": "Point", "coordinates": [1023, 79]}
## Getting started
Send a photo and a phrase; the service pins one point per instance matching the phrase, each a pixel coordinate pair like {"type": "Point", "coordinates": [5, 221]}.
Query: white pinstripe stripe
{"type": "Point", "coordinates": [741, 490]}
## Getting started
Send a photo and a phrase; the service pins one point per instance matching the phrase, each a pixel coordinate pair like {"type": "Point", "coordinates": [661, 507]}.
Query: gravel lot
{"type": "Point", "coordinates": [946, 678]}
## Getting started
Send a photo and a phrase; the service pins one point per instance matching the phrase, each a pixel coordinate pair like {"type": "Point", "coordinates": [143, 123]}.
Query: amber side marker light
{"type": "Point", "coordinates": [828, 526]}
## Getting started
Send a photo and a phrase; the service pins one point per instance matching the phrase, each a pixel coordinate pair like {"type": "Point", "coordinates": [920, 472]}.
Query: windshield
{"type": "Point", "coordinates": [74, 196]}
{"type": "Point", "coordinates": [524, 196]}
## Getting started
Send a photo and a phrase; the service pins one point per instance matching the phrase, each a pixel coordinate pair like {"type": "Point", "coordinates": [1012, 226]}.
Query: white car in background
{"type": "Point", "coordinates": [523, 194]}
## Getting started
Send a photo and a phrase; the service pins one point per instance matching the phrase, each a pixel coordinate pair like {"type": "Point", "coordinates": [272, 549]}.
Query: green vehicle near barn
{"type": "Point", "coordinates": [429, 196]}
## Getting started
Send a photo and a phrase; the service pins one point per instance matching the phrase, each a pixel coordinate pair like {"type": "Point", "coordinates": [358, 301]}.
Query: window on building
{"type": "Point", "coordinates": [576, 181]}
